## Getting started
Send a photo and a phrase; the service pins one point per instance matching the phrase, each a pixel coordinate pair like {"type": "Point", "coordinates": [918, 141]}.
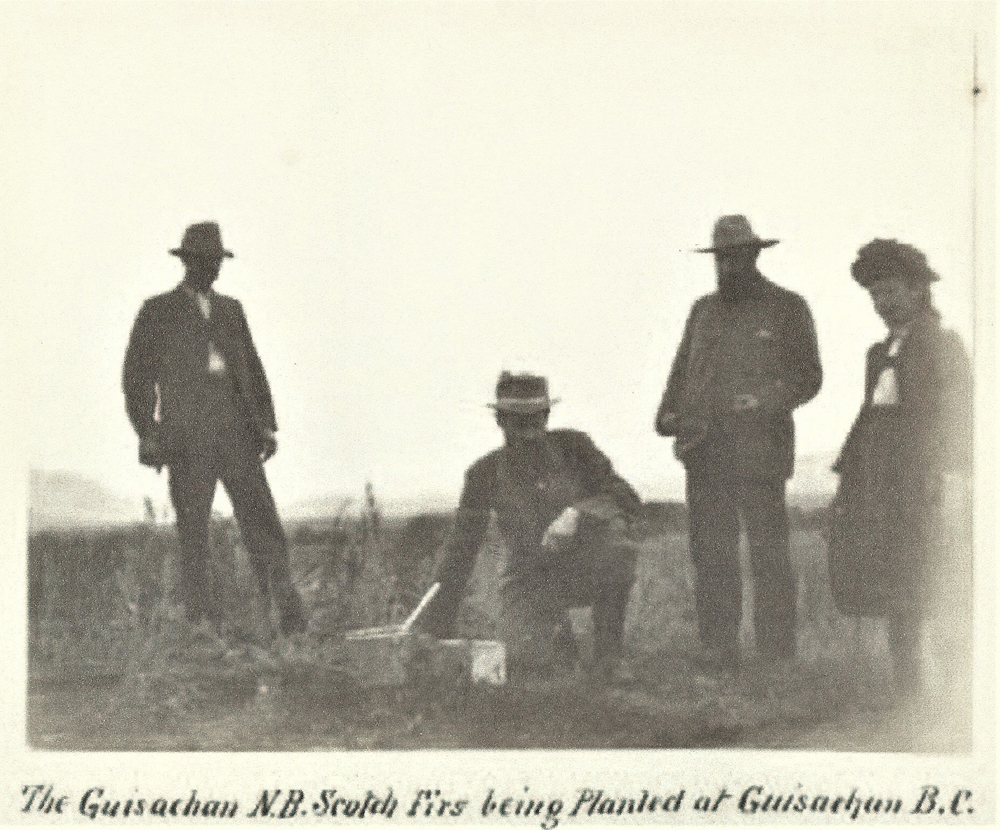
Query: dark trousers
{"type": "Point", "coordinates": [225, 452]}
{"type": "Point", "coordinates": [597, 570]}
{"type": "Point", "coordinates": [716, 503]}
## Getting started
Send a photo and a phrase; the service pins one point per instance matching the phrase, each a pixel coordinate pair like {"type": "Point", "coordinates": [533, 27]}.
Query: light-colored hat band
{"type": "Point", "coordinates": [523, 406]}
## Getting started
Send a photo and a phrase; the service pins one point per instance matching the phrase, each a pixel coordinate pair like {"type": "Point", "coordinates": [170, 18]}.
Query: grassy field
{"type": "Point", "coordinates": [114, 666]}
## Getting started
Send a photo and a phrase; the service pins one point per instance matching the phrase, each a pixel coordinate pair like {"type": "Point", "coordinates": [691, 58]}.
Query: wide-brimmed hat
{"type": "Point", "coordinates": [735, 232]}
{"type": "Point", "coordinates": [202, 240]}
{"type": "Point", "coordinates": [888, 259]}
{"type": "Point", "coordinates": [522, 394]}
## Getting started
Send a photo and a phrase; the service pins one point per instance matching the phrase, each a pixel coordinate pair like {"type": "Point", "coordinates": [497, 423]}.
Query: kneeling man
{"type": "Point", "coordinates": [564, 517]}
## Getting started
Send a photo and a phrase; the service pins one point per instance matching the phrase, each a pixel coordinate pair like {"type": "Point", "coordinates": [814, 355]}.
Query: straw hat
{"type": "Point", "coordinates": [522, 394]}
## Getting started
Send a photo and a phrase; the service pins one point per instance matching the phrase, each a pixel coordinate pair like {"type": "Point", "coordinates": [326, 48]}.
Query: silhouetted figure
{"type": "Point", "coordinates": [747, 359]}
{"type": "Point", "coordinates": [197, 396]}
{"type": "Point", "coordinates": [907, 456]}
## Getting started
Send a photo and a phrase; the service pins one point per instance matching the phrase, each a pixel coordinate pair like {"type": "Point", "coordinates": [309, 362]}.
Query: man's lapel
{"type": "Point", "coordinates": [187, 310]}
{"type": "Point", "coordinates": [225, 332]}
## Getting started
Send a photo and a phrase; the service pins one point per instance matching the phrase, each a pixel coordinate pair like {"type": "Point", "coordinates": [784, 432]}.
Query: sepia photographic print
{"type": "Point", "coordinates": [515, 413]}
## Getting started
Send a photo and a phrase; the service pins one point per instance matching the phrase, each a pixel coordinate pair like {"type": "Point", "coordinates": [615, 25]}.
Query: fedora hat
{"type": "Point", "coordinates": [522, 394]}
{"type": "Point", "coordinates": [203, 240]}
{"type": "Point", "coordinates": [735, 232]}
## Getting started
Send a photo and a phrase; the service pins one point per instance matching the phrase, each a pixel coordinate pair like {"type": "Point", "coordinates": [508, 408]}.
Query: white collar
{"type": "Point", "coordinates": [896, 339]}
{"type": "Point", "coordinates": [194, 292]}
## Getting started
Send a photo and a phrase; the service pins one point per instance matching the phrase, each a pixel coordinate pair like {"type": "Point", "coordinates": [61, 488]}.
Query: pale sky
{"type": "Point", "coordinates": [419, 195]}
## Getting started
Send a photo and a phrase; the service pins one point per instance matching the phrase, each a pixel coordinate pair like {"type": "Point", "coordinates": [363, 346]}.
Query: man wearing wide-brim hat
{"type": "Point", "coordinates": [564, 515]}
{"type": "Point", "coordinates": [198, 398]}
{"type": "Point", "coordinates": [747, 359]}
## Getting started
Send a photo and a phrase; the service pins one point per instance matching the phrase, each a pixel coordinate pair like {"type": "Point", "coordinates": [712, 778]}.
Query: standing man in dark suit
{"type": "Point", "coordinates": [748, 358]}
{"type": "Point", "coordinates": [197, 396]}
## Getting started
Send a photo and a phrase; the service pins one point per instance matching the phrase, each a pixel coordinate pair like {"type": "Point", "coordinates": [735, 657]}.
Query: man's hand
{"type": "Point", "coordinates": [562, 528]}
{"type": "Point", "coordinates": [150, 451]}
{"type": "Point", "coordinates": [744, 402]}
{"type": "Point", "coordinates": [667, 424]}
{"type": "Point", "coordinates": [270, 446]}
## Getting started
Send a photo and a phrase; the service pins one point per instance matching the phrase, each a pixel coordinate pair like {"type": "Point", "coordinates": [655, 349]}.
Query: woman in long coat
{"type": "Point", "coordinates": [909, 444]}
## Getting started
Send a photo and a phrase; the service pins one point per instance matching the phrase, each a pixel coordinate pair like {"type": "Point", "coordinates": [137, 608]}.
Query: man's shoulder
{"type": "Point", "coordinates": [159, 303]}
{"type": "Point", "coordinates": [570, 434]}
{"type": "Point", "coordinates": [480, 481]}
{"type": "Point", "coordinates": [705, 304]}
{"type": "Point", "coordinates": [168, 301]}
{"type": "Point", "coordinates": [163, 297]}
{"type": "Point", "coordinates": [779, 294]}
{"type": "Point", "coordinates": [484, 467]}
{"type": "Point", "coordinates": [227, 302]}
{"type": "Point", "coordinates": [708, 300]}
{"type": "Point", "coordinates": [576, 441]}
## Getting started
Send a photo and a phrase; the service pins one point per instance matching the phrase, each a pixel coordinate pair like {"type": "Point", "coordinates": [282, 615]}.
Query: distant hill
{"type": "Point", "coordinates": [812, 486]}
{"type": "Point", "coordinates": [58, 499]}
{"type": "Point", "coordinates": [319, 507]}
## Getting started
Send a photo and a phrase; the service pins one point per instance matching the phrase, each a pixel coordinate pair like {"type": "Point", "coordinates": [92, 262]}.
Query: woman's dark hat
{"type": "Point", "coordinates": [522, 394]}
{"type": "Point", "coordinates": [202, 240]}
{"type": "Point", "coordinates": [888, 259]}
{"type": "Point", "coordinates": [735, 232]}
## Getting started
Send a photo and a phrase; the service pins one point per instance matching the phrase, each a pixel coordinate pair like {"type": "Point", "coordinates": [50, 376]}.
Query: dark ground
{"type": "Point", "coordinates": [316, 712]}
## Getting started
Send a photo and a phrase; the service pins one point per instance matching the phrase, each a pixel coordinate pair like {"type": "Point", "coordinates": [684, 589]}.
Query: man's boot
{"type": "Point", "coordinates": [291, 616]}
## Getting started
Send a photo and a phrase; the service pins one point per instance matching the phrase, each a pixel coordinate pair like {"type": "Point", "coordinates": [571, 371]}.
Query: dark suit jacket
{"type": "Point", "coordinates": [764, 346]}
{"type": "Point", "coordinates": [167, 358]}
{"type": "Point", "coordinates": [525, 505]}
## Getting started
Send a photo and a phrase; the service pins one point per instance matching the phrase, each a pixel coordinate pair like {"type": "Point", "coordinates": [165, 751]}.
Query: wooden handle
{"type": "Point", "coordinates": [431, 593]}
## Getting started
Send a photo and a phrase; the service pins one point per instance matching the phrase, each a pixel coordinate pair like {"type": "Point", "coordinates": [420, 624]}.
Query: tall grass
{"type": "Point", "coordinates": [104, 603]}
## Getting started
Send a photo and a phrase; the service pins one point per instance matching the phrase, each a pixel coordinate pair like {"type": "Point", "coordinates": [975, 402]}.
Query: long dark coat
{"type": "Point", "coordinates": [764, 346]}
{"type": "Point", "coordinates": [886, 515]}
{"type": "Point", "coordinates": [166, 367]}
